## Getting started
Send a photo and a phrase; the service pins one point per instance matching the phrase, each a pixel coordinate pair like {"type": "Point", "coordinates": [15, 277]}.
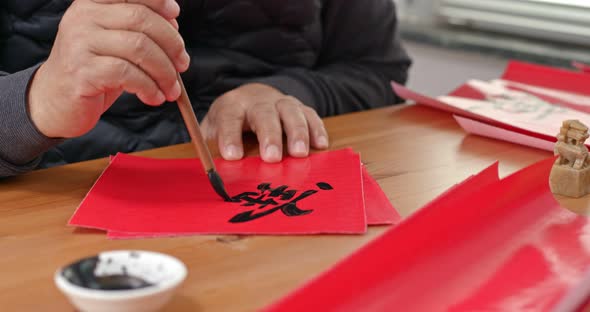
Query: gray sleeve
{"type": "Point", "coordinates": [21, 143]}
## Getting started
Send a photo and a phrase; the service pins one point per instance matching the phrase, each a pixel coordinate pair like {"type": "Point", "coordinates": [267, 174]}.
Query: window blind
{"type": "Point", "coordinates": [556, 20]}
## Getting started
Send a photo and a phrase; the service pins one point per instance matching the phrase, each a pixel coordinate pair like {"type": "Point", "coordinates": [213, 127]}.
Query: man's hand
{"type": "Point", "coordinates": [105, 47]}
{"type": "Point", "coordinates": [266, 111]}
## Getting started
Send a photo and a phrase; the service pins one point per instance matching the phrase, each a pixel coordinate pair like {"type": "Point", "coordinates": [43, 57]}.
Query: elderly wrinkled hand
{"type": "Point", "coordinates": [102, 48]}
{"type": "Point", "coordinates": [267, 112]}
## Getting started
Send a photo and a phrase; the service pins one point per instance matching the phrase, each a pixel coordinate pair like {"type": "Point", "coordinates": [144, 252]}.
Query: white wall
{"type": "Point", "coordinates": [417, 11]}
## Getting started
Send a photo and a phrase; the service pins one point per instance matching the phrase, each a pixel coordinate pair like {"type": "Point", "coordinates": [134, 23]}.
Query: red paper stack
{"type": "Point", "coordinates": [328, 192]}
{"type": "Point", "coordinates": [526, 105]}
{"type": "Point", "coordinates": [485, 245]}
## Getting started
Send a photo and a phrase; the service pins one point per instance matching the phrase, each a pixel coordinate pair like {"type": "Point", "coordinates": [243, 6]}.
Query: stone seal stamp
{"type": "Point", "coordinates": [570, 174]}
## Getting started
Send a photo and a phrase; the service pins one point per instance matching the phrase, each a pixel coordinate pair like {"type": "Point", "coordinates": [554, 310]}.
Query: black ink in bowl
{"type": "Point", "coordinates": [82, 273]}
{"type": "Point", "coordinates": [121, 280]}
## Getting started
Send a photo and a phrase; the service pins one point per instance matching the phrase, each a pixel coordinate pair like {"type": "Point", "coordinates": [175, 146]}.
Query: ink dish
{"type": "Point", "coordinates": [123, 280]}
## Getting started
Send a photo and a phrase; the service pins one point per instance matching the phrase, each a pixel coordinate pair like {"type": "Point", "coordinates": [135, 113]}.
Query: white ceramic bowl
{"type": "Point", "coordinates": [160, 273]}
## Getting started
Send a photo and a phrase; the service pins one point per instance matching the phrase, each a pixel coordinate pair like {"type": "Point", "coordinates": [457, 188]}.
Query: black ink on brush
{"type": "Point", "coordinates": [82, 274]}
{"type": "Point", "coordinates": [218, 186]}
{"type": "Point", "coordinates": [266, 197]}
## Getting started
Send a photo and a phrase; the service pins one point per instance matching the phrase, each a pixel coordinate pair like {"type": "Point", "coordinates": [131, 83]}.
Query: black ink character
{"type": "Point", "coordinates": [267, 196]}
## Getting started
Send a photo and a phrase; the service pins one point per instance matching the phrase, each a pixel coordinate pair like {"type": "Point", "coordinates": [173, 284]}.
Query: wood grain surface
{"type": "Point", "coordinates": [415, 153]}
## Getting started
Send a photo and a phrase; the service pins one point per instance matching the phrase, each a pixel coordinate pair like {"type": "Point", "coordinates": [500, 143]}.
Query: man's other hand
{"type": "Point", "coordinates": [267, 112]}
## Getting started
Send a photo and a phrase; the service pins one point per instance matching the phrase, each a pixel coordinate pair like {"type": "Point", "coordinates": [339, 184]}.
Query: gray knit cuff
{"type": "Point", "coordinates": [20, 141]}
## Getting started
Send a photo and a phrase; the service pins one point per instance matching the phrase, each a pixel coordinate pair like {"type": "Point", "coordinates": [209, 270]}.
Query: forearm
{"type": "Point", "coordinates": [21, 143]}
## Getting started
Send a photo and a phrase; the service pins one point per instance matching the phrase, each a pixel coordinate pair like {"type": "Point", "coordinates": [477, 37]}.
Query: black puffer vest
{"type": "Point", "coordinates": [221, 39]}
{"type": "Point", "coordinates": [231, 42]}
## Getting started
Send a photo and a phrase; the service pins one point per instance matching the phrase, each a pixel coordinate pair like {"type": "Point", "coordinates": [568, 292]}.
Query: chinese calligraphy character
{"type": "Point", "coordinates": [267, 196]}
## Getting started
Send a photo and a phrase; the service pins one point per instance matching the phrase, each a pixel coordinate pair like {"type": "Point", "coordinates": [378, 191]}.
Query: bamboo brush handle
{"type": "Point", "coordinates": [192, 125]}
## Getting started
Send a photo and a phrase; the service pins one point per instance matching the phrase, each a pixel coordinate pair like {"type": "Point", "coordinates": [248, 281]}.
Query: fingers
{"type": "Point", "coordinates": [174, 24]}
{"type": "Point", "coordinates": [168, 9]}
{"type": "Point", "coordinates": [207, 128]}
{"type": "Point", "coordinates": [225, 121]}
{"type": "Point", "coordinates": [139, 49]}
{"type": "Point", "coordinates": [295, 126]}
{"type": "Point", "coordinates": [229, 136]}
{"type": "Point", "coordinates": [114, 74]}
{"type": "Point", "coordinates": [267, 112]}
{"type": "Point", "coordinates": [265, 122]}
{"type": "Point", "coordinates": [138, 18]}
{"type": "Point", "coordinates": [317, 131]}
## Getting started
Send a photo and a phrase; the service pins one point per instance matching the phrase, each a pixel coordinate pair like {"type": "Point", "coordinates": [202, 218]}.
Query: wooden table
{"type": "Point", "coordinates": [415, 153]}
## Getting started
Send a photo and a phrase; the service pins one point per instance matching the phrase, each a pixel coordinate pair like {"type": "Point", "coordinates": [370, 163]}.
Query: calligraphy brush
{"type": "Point", "coordinates": [192, 125]}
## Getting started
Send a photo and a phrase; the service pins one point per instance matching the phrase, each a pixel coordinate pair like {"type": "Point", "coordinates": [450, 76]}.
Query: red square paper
{"type": "Point", "coordinates": [378, 209]}
{"type": "Point", "coordinates": [143, 195]}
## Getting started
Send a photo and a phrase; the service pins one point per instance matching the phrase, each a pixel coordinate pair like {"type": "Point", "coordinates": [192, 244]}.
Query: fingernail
{"type": "Point", "coordinates": [300, 148]}
{"type": "Point", "coordinates": [272, 153]}
{"type": "Point", "coordinates": [160, 97]}
{"type": "Point", "coordinates": [172, 7]}
{"type": "Point", "coordinates": [322, 142]}
{"type": "Point", "coordinates": [174, 23]}
{"type": "Point", "coordinates": [184, 61]}
{"type": "Point", "coordinates": [232, 152]}
{"type": "Point", "coordinates": [175, 92]}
